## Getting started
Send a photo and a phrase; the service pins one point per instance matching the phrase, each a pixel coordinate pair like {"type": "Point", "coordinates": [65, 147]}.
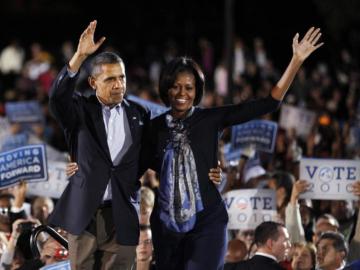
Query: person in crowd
{"type": "Point", "coordinates": [41, 208]}
{"type": "Point", "coordinates": [304, 256]}
{"type": "Point", "coordinates": [324, 223]}
{"type": "Point", "coordinates": [282, 183]}
{"type": "Point", "coordinates": [144, 250]}
{"type": "Point", "coordinates": [104, 134]}
{"type": "Point", "coordinates": [147, 200]}
{"type": "Point", "coordinates": [189, 216]}
{"type": "Point", "coordinates": [331, 251]}
{"type": "Point", "coordinates": [236, 252]}
{"type": "Point", "coordinates": [273, 245]}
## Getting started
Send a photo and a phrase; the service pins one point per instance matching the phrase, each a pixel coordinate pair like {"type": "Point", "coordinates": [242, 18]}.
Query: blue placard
{"type": "Point", "coordinates": [24, 163]}
{"type": "Point", "coordinates": [24, 112]}
{"type": "Point", "coordinates": [155, 109]}
{"type": "Point", "coordinates": [64, 265]}
{"type": "Point", "coordinates": [14, 141]}
{"type": "Point", "coordinates": [260, 133]}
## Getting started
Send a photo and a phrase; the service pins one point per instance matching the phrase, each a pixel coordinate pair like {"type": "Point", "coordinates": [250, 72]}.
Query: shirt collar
{"type": "Point", "coordinates": [266, 255]}
{"type": "Point", "coordinates": [106, 107]}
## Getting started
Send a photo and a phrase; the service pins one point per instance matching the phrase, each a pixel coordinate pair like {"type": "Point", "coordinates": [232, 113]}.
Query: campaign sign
{"type": "Point", "coordinates": [231, 154]}
{"type": "Point", "coordinates": [14, 141]}
{"type": "Point", "coordinates": [24, 111]}
{"type": "Point", "coordinates": [24, 163]}
{"type": "Point", "coordinates": [56, 184]}
{"type": "Point", "coordinates": [330, 179]}
{"type": "Point", "coordinates": [64, 265]}
{"type": "Point", "coordinates": [260, 133]}
{"type": "Point", "coordinates": [155, 109]}
{"type": "Point", "coordinates": [4, 128]}
{"type": "Point", "coordinates": [247, 208]}
{"type": "Point", "coordinates": [300, 119]}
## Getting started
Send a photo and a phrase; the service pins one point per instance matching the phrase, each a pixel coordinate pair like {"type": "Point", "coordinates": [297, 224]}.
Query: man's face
{"type": "Point", "coordinates": [109, 83]}
{"type": "Point", "coordinates": [145, 248]}
{"type": "Point", "coordinates": [327, 256]}
{"type": "Point", "coordinates": [281, 246]}
{"type": "Point", "coordinates": [322, 227]}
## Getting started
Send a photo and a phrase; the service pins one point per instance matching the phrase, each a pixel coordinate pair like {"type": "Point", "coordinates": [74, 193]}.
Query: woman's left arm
{"type": "Point", "coordinates": [301, 51]}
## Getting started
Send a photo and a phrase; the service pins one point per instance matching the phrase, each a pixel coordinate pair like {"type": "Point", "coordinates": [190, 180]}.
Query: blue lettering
{"type": "Point", "coordinates": [267, 203]}
{"type": "Point", "coordinates": [351, 173]}
{"type": "Point", "coordinates": [338, 169]}
{"type": "Point", "coordinates": [228, 202]}
{"type": "Point", "coordinates": [253, 200]}
{"type": "Point", "coordinates": [313, 172]}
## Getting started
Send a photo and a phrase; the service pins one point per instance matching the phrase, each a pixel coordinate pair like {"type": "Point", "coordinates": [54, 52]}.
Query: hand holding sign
{"type": "Point", "coordinates": [299, 187]}
{"type": "Point", "coordinates": [356, 188]}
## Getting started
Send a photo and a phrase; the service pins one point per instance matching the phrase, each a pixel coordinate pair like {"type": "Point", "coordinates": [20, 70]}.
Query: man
{"type": "Point", "coordinates": [103, 132]}
{"type": "Point", "coordinates": [272, 240]}
{"type": "Point", "coordinates": [144, 251]}
{"type": "Point", "coordinates": [331, 251]}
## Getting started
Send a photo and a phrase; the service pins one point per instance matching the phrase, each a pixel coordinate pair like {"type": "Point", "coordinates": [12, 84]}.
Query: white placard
{"type": "Point", "coordinates": [330, 179]}
{"type": "Point", "coordinates": [247, 208]}
{"type": "Point", "coordinates": [300, 119]}
{"type": "Point", "coordinates": [56, 184]}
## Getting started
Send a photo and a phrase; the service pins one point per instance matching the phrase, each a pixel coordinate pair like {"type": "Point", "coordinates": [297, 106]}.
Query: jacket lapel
{"type": "Point", "coordinates": [98, 126]}
{"type": "Point", "coordinates": [132, 117]}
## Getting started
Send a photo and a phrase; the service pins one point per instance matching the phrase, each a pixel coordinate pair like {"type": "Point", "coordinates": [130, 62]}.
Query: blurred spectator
{"type": "Point", "coordinates": [273, 244]}
{"type": "Point", "coordinates": [325, 223]}
{"type": "Point", "coordinates": [332, 251]}
{"type": "Point", "coordinates": [144, 251]}
{"type": "Point", "coordinates": [147, 200]}
{"type": "Point", "coordinates": [236, 251]}
{"type": "Point", "coordinates": [41, 208]}
{"type": "Point", "coordinates": [304, 257]}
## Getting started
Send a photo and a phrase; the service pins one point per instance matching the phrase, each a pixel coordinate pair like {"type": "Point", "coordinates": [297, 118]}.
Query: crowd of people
{"type": "Point", "coordinates": [308, 234]}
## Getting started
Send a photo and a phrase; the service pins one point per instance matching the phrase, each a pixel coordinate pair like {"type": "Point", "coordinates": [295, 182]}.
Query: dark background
{"type": "Point", "coordinates": [134, 27]}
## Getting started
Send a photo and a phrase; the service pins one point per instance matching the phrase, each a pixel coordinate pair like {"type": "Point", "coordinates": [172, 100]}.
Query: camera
{"type": "Point", "coordinates": [26, 226]}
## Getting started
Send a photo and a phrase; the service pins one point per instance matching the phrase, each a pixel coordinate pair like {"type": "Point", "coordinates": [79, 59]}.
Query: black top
{"type": "Point", "coordinates": [204, 127]}
{"type": "Point", "coordinates": [257, 262]}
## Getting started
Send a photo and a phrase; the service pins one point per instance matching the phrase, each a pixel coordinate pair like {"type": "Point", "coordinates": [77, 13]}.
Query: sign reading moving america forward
{"type": "Point", "coordinates": [260, 133]}
{"type": "Point", "coordinates": [330, 179]}
{"type": "Point", "coordinates": [247, 208]}
{"type": "Point", "coordinates": [24, 163]}
{"type": "Point", "coordinates": [56, 183]}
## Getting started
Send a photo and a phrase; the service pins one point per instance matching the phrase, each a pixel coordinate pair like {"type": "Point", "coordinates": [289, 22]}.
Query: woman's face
{"type": "Point", "coordinates": [302, 259]}
{"type": "Point", "coordinates": [182, 94]}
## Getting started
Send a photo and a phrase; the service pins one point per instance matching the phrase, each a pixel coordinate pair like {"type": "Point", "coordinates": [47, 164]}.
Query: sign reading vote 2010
{"type": "Point", "coordinates": [247, 208]}
{"type": "Point", "coordinates": [330, 179]}
{"type": "Point", "coordinates": [23, 163]}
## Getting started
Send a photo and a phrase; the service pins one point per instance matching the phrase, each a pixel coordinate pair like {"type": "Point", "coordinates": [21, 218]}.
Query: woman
{"type": "Point", "coordinates": [304, 257]}
{"type": "Point", "coordinates": [189, 219]}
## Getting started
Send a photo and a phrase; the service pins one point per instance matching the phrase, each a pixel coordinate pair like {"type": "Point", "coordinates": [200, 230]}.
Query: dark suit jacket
{"type": "Point", "coordinates": [257, 262]}
{"type": "Point", "coordinates": [81, 119]}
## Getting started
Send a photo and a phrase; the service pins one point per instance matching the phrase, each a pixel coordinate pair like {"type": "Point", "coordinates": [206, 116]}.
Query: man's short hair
{"type": "Point", "coordinates": [104, 58]}
{"type": "Point", "coordinates": [338, 241]}
{"type": "Point", "coordinates": [267, 230]}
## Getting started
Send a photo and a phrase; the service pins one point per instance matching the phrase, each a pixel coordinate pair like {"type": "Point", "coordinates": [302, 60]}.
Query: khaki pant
{"type": "Point", "coordinates": [96, 248]}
